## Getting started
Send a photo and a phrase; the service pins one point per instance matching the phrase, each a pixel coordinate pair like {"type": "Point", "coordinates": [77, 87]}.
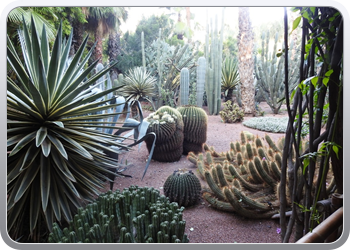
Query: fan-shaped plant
{"type": "Point", "coordinates": [139, 83]}
{"type": "Point", "coordinates": [229, 77]}
{"type": "Point", "coordinates": [56, 157]}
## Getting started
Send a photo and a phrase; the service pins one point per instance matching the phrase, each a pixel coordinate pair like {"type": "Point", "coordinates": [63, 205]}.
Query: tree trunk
{"type": "Point", "coordinates": [188, 18]}
{"type": "Point", "coordinates": [114, 51]}
{"type": "Point", "coordinates": [246, 62]}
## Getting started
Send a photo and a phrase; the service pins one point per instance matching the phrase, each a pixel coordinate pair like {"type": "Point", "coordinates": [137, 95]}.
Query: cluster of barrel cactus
{"type": "Point", "coordinates": [135, 215]}
{"type": "Point", "coordinates": [178, 132]}
{"type": "Point", "coordinates": [244, 179]}
{"type": "Point", "coordinates": [182, 187]}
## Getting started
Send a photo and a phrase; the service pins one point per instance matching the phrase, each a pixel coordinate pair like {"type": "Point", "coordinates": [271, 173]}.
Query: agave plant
{"type": "Point", "coordinates": [229, 77]}
{"type": "Point", "coordinates": [139, 83]}
{"type": "Point", "coordinates": [56, 158]}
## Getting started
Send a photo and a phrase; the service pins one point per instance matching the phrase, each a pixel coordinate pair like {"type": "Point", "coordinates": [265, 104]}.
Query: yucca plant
{"type": "Point", "coordinates": [56, 158]}
{"type": "Point", "coordinates": [139, 83]}
{"type": "Point", "coordinates": [229, 77]}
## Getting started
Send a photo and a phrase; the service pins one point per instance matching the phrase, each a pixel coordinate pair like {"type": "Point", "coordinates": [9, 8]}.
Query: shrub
{"type": "Point", "coordinates": [268, 124]}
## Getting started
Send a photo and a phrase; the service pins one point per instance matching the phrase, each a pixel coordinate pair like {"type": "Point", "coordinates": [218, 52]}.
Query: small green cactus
{"type": "Point", "coordinates": [231, 113]}
{"type": "Point", "coordinates": [182, 187]}
{"type": "Point", "coordinates": [195, 128]}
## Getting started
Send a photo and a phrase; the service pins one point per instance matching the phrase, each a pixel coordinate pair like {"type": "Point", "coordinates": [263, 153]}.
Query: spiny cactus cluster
{"type": "Point", "coordinates": [167, 124]}
{"type": "Point", "coordinates": [135, 215]}
{"type": "Point", "coordinates": [231, 113]}
{"type": "Point", "coordinates": [245, 179]}
{"type": "Point", "coordinates": [182, 187]}
{"type": "Point", "coordinates": [195, 128]}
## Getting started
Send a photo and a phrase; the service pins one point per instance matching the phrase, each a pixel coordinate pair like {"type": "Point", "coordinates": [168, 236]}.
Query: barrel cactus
{"type": "Point", "coordinates": [168, 126]}
{"type": "Point", "coordinates": [195, 121]}
{"type": "Point", "coordinates": [135, 215]}
{"type": "Point", "coordinates": [182, 187]}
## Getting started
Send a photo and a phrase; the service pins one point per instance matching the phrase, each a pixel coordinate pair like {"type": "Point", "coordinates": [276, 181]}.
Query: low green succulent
{"type": "Point", "coordinates": [231, 113]}
{"type": "Point", "coordinates": [268, 124]}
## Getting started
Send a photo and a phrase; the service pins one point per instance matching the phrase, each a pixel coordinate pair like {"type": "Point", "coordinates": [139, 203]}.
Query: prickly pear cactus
{"type": "Point", "coordinates": [168, 126]}
{"type": "Point", "coordinates": [195, 128]}
{"type": "Point", "coordinates": [182, 187]}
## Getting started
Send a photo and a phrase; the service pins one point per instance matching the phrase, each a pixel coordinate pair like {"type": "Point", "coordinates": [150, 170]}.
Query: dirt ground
{"type": "Point", "coordinates": [203, 223]}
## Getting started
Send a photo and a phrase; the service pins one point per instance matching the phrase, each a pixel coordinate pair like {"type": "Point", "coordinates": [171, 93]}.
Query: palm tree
{"type": "Point", "coordinates": [114, 47]}
{"type": "Point", "coordinates": [101, 20]}
{"type": "Point", "coordinates": [246, 62]}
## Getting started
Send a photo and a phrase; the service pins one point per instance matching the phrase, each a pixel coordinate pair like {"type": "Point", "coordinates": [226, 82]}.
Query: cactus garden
{"type": "Point", "coordinates": [181, 130]}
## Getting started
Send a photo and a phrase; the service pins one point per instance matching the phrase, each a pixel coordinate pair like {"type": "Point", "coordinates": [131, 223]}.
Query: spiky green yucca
{"type": "Point", "coordinates": [229, 77]}
{"type": "Point", "coordinates": [139, 83]}
{"type": "Point", "coordinates": [56, 156]}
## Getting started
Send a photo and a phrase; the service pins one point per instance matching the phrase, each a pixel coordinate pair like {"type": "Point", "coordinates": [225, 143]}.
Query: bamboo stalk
{"type": "Point", "coordinates": [325, 229]}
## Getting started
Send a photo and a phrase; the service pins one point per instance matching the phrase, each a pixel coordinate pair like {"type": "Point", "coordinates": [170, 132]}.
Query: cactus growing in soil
{"type": "Point", "coordinates": [184, 86]}
{"type": "Point", "coordinates": [201, 68]}
{"type": "Point", "coordinates": [135, 215]}
{"type": "Point", "coordinates": [182, 187]}
{"type": "Point", "coordinates": [244, 179]}
{"type": "Point", "coordinates": [168, 126]}
{"type": "Point", "coordinates": [195, 128]}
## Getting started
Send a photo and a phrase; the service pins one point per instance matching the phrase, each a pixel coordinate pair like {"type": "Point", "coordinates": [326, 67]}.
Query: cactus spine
{"type": "Point", "coordinates": [201, 69]}
{"type": "Point", "coordinates": [184, 86]}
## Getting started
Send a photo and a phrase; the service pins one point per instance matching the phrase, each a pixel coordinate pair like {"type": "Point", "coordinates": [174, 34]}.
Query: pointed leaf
{"type": "Point", "coordinates": [46, 147]}
{"type": "Point", "coordinates": [22, 143]}
{"type": "Point", "coordinates": [58, 145]}
{"type": "Point", "coordinates": [34, 205]}
{"type": "Point", "coordinates": [40, 136]}
{"type": "Point", "coordinates": [45, 181]}
{"type": "Point", "coordinates": [28, 177]}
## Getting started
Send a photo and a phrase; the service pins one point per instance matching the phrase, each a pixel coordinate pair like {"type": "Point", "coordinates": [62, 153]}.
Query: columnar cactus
{"type": "Point", "coordinates": [135, 215]}
{"type": "Point", "coordinates": [201, 70]}
{"type": "Point", "coordinates": [143, 50]}
{"type": "Point", "coordinates": [213, 72]}
{"type": "Point", "coordinates": [184, 86]}
{"type": "Point", "coordinates": [167, 124]}
{"type": "Point", "coordinates": [182, 187]}
{"type": "Point", "coordinates": [195, 128]}
{"type": "Point", "coordinates": [269, 70]}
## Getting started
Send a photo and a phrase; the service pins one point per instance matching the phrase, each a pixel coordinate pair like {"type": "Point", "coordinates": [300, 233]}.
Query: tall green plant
{"type": "Point", "coordinates": [229, 77]}
{"type": "Point", "coordinates": [55, 158]}
{"type": "Point", "coordinates": [201, 68]}
{"type": "Point", "coordinates": [269, 70]}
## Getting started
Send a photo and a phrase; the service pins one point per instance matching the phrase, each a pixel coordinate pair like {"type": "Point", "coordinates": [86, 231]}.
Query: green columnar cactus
{"type": "Point", "coordinates": [135, 215]}
{"type": "Point", "coordinates": [201, 69]}
{"type": "Point", "coordinates": [182, 187]}
{"type": "Point", "coordinates": [269, 70]}
{"type": "Point", "coordinates": [168, 126]}
{"type": "Point", "coordinates": [143, 50]}
{"type": "Point", "coordinates": [195, 128]}
{"type": "Point", "coordinates": [213, 77]}
{"type": "Point", "coordinates": [160, 69]}
{"type": "Point", "coordinates": [184, 86]}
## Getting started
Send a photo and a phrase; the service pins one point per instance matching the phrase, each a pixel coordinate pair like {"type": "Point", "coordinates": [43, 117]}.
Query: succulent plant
{"type": "Point", "coordinates": [184, 86]}
{"type": "Point", "coordinates": [229, 77]}
{"type": "Point", "coordinates": [268, 124]}
{"type": "Point", "coordinates": [182, 187]}
{"type": "Point", "coordinates": [135, 215]}
{"type": "Point", "coordinates": [168, 126]}
{"type": "Point", "coordinates": [231, 113]}
{"type": "Point", "coordinates": [195, 121]}
{"type": "Point", "coordinates": [245, 179]}
{"type": "Point", "coordinates": [200, 84]}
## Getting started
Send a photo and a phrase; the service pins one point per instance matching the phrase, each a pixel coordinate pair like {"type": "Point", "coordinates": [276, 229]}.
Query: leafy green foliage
{"type": "Point", "coordinates": [56, 158]}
